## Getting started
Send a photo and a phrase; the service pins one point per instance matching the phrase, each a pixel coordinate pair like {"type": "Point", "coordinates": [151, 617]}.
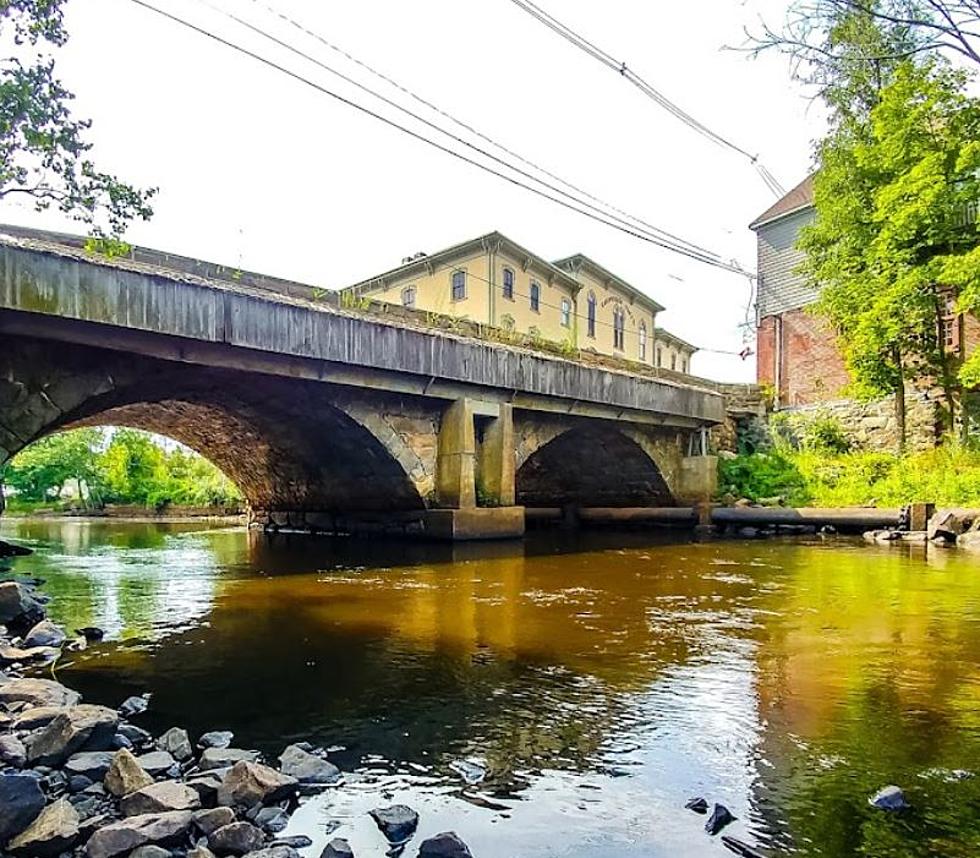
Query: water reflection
{"type": "Point", "coordinates": [602, 680]}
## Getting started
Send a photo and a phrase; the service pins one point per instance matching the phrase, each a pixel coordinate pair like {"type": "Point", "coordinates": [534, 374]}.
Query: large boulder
{"type": "Point", "coordinates": [37, 692]}
{"type": "Point", "coordinates": [177, 743]}
{"type": "Point", "coordinates": [81, 727]}
{"type": "Point", "coordinates": [160, 798]}
{"type": "Point", "coordinates": [445, 845]}
{"type": "Point", "coordinates": [12, 751]}
{"type": "Point", "coordinates": [19, 610]}
{"type": "Point", "coordinates": [55, 830]}
{"type": "Point", "coordinates": [216, 739]}
{"type": "Point", "coordinates": [125, 775]}
{"type": "Point", "coordinates": [223, 758]}
{"type": "Point", "coordinates": [91, 764]}
{"type": "Point", "coordinates": [306, 767]}
{"type": "Point", "coordinates": [944, 526]}
{"type": "Point", "coordinates": [249, 784]}
{"type": "Point", "coordinates": [208, 821]}
{"type": "Point", "coordinates": [21, 800]}
{"type": "Point", "coordinates": [236, 839]}
{"type": "Point", "coordinates": [45, 633]}
{"type": "Point", "coordinates": [157, 763]}
{"type": "Point", "coordinates": [37, 717]}
{"type": "Point", "coordinates": [397, 823]}
{"type": "Point", "coordinates": [122, 837]}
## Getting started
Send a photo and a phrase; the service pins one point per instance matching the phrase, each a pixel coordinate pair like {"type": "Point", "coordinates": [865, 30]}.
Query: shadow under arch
{"type": "Point", "coordinates": [282, 442]}
{"type": "Point", "coordinates": [591, 466]}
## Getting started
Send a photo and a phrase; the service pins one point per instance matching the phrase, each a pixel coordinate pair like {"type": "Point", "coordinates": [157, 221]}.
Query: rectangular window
{"type": "Point", "coordinates": [949, 326]}
{"type": "Point", "coordinates": [619, 329]}
{"type": "Point", "coordinates": [566, 313]}
{"type": "Point", "coordinates": [459, 285]}
{"type": "Point", "coordinates": [408, 296]}
{"type": "Point", "coordinates": [535, 297]}
{"type": "Point", "coordinates": [508, 284]}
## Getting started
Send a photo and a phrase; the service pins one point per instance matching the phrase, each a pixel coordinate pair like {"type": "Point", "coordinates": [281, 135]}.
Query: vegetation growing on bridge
{"type": "Point", "coordinates": [89, 468]}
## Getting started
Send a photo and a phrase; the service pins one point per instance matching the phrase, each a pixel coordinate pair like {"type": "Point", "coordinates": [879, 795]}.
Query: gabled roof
{"type": "Point", "coordinates": [579, 261]}
{"type": "Point", "coordinates": [426, 262]}
{"type": "Point", "coordinates": [798, 199]}
{"type": "Point", "coordinates": [667, 336]}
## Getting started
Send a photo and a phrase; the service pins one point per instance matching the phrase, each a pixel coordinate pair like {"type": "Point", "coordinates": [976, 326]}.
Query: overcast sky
{"type": "Point", "coordinates": [261, 172]}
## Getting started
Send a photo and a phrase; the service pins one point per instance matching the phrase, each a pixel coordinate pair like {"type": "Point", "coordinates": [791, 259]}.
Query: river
{"type": "Point", "coordinates": [600, 680]}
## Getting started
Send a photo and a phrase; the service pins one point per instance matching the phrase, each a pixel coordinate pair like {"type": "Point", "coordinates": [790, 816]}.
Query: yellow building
{"type": "Point", "coordinates": [494, 281]}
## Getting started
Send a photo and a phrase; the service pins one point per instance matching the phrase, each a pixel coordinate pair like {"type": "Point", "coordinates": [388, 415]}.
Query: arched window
{"type": "Point", "coordinates": [408, 296]}
{"type": "Point", "coordinates": [459, 285]}
{"type": "Point", "coordinates": [591, 314]}
{"type": "Point", "coordinates": [643, 341]}
{"type": "Point", "coordinates": [619, 329]}
{"type": "Point", "coordinates": [660, 356]}
{"type": "Point", "coordinates": [508, 284]}
{"type": "Point", "coordinates": [673, 360]}
{"type": "Point", "coordinates": [566, 313]}
{"type": "Point", "coordinates": [535, 297]}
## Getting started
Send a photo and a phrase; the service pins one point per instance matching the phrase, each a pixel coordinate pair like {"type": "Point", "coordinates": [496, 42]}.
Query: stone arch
{"type": "Point", "coordinates": [589, 465]}
{"type": "Point", "coordinates": [284, 442]}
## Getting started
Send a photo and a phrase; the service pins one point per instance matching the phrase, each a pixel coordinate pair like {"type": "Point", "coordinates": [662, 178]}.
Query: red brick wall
{"type": "Point", "coordinates": [811, 367]}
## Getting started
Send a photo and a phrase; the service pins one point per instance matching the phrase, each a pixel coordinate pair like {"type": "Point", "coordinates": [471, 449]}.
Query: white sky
{"type": "Point", "coordinates": [258, 171]}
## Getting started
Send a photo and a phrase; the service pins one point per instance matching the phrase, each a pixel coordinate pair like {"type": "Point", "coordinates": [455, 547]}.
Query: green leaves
{"type": "Point", "coordinates": [43, 150]}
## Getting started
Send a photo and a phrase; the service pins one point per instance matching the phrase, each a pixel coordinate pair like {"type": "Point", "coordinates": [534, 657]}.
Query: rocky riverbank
{"type": "Point", "coordinates": [946, 528]}
{"type": "Point", "coordinates": [82, 779]}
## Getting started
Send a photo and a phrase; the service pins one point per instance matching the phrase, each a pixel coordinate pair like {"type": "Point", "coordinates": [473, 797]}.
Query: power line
{"type": "Point", "coordinates": [697, 256]}
{"type": "Point", "coordinates": [647, 89]}
{"type": "Point", "coordinates": [426, 103]}
{"type": "Point", "coordinates": [656, 232]}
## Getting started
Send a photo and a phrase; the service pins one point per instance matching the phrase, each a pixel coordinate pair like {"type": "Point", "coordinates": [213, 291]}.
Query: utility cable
{"type": "Point", "coordinates": [699, 257]}
{"type": "Point", "coordinates": [656, 231]}
{"type": "Point", "coordinates": [646, 88]}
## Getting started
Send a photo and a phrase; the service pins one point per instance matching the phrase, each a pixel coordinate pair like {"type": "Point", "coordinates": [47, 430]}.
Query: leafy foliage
{"type": "Point", "coordinates": [129, 468]}
{"type": "Point", "coordinates": [43, 151]}
{"type": "Point", "coordinates": [759, 476]}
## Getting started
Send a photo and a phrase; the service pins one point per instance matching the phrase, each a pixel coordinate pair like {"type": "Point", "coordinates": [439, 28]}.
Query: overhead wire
{"type": "Point", "coordinates": [706, 257]}
{"type": "Point", "coordinates": [647, 89]}
{"type": "Point", "coordinates": [657, 232]}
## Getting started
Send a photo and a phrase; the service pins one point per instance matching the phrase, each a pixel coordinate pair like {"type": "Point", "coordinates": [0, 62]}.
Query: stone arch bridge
{"type": "Point", "coordinates": [329, 419]}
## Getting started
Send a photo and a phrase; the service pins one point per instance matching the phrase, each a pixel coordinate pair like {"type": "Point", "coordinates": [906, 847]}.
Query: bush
{"type": "Point", "coordinates": [763, 475]}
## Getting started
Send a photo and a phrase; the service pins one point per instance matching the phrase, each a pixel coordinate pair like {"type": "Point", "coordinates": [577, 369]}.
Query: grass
{"type": "Point", "coordinates": [948, 475]}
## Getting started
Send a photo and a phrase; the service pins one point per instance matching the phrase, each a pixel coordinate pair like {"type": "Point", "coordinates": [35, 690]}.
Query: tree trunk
{"type": "Point", "coordinates": [900, 401]}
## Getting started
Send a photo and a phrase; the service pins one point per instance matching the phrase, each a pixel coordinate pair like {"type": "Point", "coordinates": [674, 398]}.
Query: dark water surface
{"type": "Point", "coordinates": [601, 680]}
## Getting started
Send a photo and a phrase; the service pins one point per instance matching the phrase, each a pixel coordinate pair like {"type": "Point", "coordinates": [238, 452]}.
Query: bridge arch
{"type": "Point", "coordinates": [590, 465]}
{"type": "Point", "coordinates": [288, 445]}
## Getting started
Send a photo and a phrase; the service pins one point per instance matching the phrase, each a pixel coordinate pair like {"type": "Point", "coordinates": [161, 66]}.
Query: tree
{"type": "Point", "coordinates": [949, 27]}
{"type": "Point", "coordinates": [39, 472]}
{"type": "Point", "coordinates": [894, 236]}
{"type": "Point", "coordinates": [43, 151]}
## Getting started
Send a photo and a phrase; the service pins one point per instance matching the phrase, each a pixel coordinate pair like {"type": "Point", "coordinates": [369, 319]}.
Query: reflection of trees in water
{"type": "Point", "coordinates": [870, 675]}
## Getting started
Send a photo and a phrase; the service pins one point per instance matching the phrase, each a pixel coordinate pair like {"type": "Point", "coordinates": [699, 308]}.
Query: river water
{"type": "Point", "coordinates": [599, 680]}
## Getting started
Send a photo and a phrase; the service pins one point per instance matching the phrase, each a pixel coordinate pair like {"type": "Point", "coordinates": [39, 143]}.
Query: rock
{"type": "Point", "coordinates": [125, 775]}
{"type": "Point", "coordinates": [889, 798]}
{"type": "Point", "coordinates": [45, 633]}
{"type": "Point", "coordinates": [37, 692]}
{"type": "Point", "coordinates": [211, 820]}
{"type": "Point", "coordinates": [12, 751]}
{"type": "Point", "coordinates": [8, 549]}
{"type": "Point", "coordinates": [297, 841]}
{"type": "Point", "coordinates": [177, 743]}
{"type": "Point", "coordinates": [150, 851]}
{"type": "Point", "coordinates": [130, 833]}
{"type": "Point", "coordinates": [397, 823]}
{"type": "Point", "coordinates": [39, 716]}
{"type": "Point", "coordinates": [274, 851]}
{"type": "Point", "coordinates": [248, 784]}
{"type": "Point", "coordinates": [445, 845]}
{"type": "Point", "coordinates": [160, 798]}
{"type": "Point", "coordinates": [134, 706]}
{"type": "Point", "coordinates": [271, 819]}
{"type": "Point", "coordinates": [21, 800]}
{"type": "Point", "coordinates": [203, 852]}
{"type": "Point", "coordinates": [79, 783]}
{"type": "Point", "coordinates": [90, 633]}
{"type": "Point", "coordinates": [16, 655]}
{"type": "Point", "coordinates": [698, 805]}
{"type": "Point", "coordinates": [337, 848]}
{"type": "Point", "coordinates": [157, 762]}
{"type": "Point", "coordinates": [206, 786]}
{"type": "Point", "coordinates": [223, 758]}
{"type": "Point", "coordinates": [119, 741]}
{"type": "Point", "coordinates": [470, 771]}
{"type": "Point", "coordinates": [81, 727]}
{"type": "Point", "coordinates": [236, 839]}
{"type": "Point", "coordinates": [735, 845]}
{"type": "Point", "coordinates": [19, 610]}
{"type": "Point", "coordinates": [216, 739]}
{"type": "Point", "coordinates": [54, 831]}
{"type": "Point", "coordinates": [306, 767]}
{"type": "Point", "coordinates": [748, 533]}
{"type": "Point", "coordinates": [137, 735]}
{"type": "Point", "coordinates": [720, 817]}
{"type": "Point", "coordinates": [91, 764]}
{"type": "Point", "coordinates": [969, 541]}
{"type": "Point", "coordinates": [915, 536]}
{"type": "Point", "coordinates": [944, 526]}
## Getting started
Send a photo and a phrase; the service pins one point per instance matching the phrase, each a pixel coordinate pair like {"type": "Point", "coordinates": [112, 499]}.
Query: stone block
{"type": "Point", "coordinates": [476, 523]}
